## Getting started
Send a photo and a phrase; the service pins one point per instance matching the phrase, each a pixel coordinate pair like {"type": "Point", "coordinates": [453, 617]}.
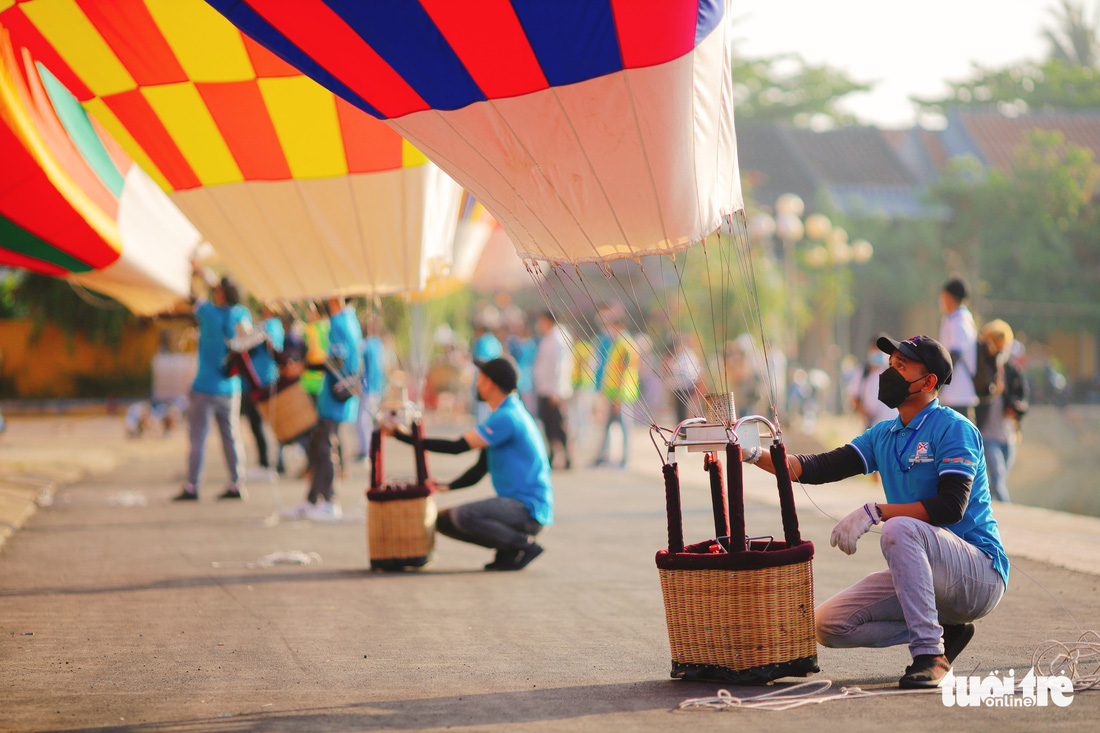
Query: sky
{"type": "Point", "coordinates": [908, 48]}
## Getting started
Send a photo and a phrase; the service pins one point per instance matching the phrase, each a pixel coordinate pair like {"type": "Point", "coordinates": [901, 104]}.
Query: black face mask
{"type": "Point", "coordinates": [893, 389]}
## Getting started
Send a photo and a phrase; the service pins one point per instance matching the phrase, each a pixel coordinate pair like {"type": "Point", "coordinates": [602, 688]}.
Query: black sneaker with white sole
{"type": "Point", "coordinates": [926, 671]}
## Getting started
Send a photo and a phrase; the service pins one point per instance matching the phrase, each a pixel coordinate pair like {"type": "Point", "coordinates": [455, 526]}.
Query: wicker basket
{"type": "Point", "coordinates": [400, 517]}
{"type": "Point", "coordinates": [737, 611]}
{"type": "Point", "coordinates": [400, 527]}
{"type": "Point", "coordinates": [289, 411]}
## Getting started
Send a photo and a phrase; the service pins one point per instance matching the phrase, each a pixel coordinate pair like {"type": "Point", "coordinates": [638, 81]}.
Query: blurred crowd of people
{"type": "Point", "coordinates": [586, 390]}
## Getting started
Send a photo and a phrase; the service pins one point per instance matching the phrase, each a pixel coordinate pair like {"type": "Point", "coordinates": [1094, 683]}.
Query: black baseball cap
{"type": "Point", "coordinates": [501, 372]}
{"type": "Point", "coordinates": [926, 350]}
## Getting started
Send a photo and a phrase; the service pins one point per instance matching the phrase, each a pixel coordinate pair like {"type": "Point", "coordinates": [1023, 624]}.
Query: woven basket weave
{"type": "Point", "coordinates": [737, 611]}
{"type": "Point", "coordinates": [290, 412]}
{"type": "Point", "coordinates": [400, 517]}
{"type": "Point", "coordinates": [740, 620]}
{"type": "Point", "coordinates": [401, 532]}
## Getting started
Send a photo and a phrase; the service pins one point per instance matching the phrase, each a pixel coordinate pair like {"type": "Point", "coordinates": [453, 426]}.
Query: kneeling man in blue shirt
{"type": "Point", "coordinates": [514, 455]}
{"type": "Point", "coordinates": [946, 563]}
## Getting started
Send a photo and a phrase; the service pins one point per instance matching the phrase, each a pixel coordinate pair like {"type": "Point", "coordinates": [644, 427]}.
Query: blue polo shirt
{"type": "Point", "coordinates": [216, 326]}
{"type": "Point", "coordinates": [262, 360]}
{"type": "Point", "coordinates": [517, 458]}
{"type": "Point", "coordinates": [910, 459]}
{"type": "Point", "coordinates": [374, 365]}
{"type": "Point", "coordinates": [345, 342]}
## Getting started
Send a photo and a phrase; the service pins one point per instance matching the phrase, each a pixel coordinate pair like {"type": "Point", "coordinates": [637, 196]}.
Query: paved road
{"type": "Point", "coordinates": [119, 610]}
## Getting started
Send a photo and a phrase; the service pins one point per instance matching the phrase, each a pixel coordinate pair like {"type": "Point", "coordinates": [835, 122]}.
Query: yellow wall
{"type": "Point", "coordinates": [47, 366]}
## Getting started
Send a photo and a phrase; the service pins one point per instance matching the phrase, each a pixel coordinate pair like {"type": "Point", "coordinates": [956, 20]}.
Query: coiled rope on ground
{"type": "Point", "coordinates": [1079, 661]}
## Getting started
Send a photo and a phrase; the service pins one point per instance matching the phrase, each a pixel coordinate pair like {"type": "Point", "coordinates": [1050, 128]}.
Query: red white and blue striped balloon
{"type": "Point", "coordinates": [592, 130]}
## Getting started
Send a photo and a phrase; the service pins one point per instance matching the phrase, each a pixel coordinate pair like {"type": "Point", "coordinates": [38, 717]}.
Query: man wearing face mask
{"type": "Point", "coordinates": [946, 563]}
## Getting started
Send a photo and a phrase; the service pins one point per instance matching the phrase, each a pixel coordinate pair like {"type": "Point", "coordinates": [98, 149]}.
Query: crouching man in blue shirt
{"type": "Point", "coordinates": [946, 563]}
{"type": "Point", "coordinates": [514, 455]}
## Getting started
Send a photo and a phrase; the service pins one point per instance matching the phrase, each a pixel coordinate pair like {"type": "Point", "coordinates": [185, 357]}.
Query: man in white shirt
{"type": "Point", "coordinates": [553, 373]}
{"type": "Point", "coordinates": [960, 336]}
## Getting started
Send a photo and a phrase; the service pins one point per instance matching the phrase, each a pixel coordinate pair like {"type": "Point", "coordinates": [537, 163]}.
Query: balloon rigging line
{"type": "Point", "coordinates": [752, 293]}
{"type": "Point", "coordinates": [544, 289]}
{"type": "Point", "coordinates": [652, 360]}
{"type": "Point", "coordinates": [659, 366]}
{"type": "Point", "coordinates": [710, 297]}
{"type": "Point", "coordinates": [722, 251]}
{"type": "Point", "coordinates": [592, 330]}
{"type": "Point", "coordinates": [684, 302]}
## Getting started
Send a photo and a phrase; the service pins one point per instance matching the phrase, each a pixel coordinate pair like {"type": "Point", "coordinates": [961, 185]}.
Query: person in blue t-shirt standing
{"type": "Point", "coordinates": [214, 392]}
{"type": "Point", "coordinates": [514, 456]}
{"type": "Point", "coordinates": [946, 563]}
{"type": "Point", "coordinates": [485, 347]}
{"type": "Point", "coordinates": [337, 403]}
{"type": "Point", "coordinates": [267, 372]}
{"type": "Point", "coordinates": [373, 382]}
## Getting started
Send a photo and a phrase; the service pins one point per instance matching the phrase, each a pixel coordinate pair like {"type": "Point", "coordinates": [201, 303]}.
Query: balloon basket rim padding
{"type": "Point", "coordinates": [738, 610]}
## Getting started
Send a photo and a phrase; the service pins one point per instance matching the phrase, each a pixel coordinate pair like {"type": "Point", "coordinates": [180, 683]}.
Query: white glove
{"type": "Point", "coordinates": [848, 530]}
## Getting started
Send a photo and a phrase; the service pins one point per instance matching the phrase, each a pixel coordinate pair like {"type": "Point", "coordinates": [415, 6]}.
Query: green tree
{"type": "Point", "coordinates": [1030, 87]}
{"type": "Point", "coordinates": [1073, 40]}
{"type": "Point", "coordinates": [50, 300]}
{"type": "Point", "coordinates": [1032, 233]}
{"type": "Point", "coordinates": [1068, 79]}
{"type": "Point", "coordinates": [786, 88]}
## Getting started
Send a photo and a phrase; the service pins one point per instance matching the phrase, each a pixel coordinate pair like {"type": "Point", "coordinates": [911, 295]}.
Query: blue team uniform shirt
{"type": "Point", "coordinates": [263, 361]}
{"type": "Point", "coordinates": [487, 347]}
{"type": "Point", "coordinates": [216, 326]}
{"type": "Point", "coordinates": [374, 365]}
{"type": "Point", "coordinates": [910, 459]}
{"type": "Point", "coordinates": [603, 353]}
{"type": "Point", "coordinates": [524, 351]}
{"type": "Point", "coordinates": [517, 458]}
{"type": "Point", "coordinates": [344, 342]}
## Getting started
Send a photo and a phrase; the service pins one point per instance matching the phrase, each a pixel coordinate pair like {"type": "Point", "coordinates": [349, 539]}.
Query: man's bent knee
{"type": "Point", "coordinates": [832, 628]}
{"type": "Point", "coordinates": [902, 531]}
{"type": "Point", "coordinates": [444, 524]}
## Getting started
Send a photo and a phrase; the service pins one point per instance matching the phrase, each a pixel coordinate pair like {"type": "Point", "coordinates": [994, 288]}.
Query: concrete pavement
{"type": "Point", "coordinates": [122, 611]}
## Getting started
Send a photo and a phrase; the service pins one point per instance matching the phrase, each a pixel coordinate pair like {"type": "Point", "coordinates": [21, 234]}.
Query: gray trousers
{"type": "Point", "coordinates": [226, 410]}
{"type": "Point", "coordinates": [934, 578]}
{"type": "Point", "coordinates": [324, 457]}
{"type": "Point", "coordinates": [500, 523]}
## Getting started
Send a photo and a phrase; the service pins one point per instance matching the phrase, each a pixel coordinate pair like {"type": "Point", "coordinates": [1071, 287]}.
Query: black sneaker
{"type": "Point", "coordinates": [525, 555]}
{"type": "Point", "coordinates": [504, 560]}
{"type": "Point", "coordinates": [232, 492]}
{"type": "Point", "coordinates": [186, 495]}
{"type": "Point", "coordinates": [926, 671]}
{"type": "Point", "coordinates": [955, 639]}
